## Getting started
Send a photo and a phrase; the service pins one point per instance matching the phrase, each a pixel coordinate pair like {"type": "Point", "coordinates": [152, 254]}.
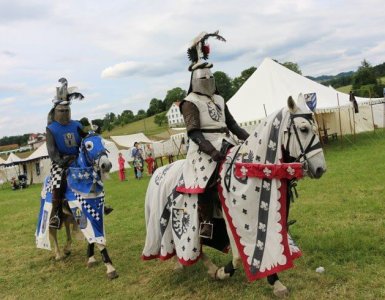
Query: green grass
{"type": "Point", "coordinates": [340, 226]}
{"type": "Point", "coordinates": [147, 126]}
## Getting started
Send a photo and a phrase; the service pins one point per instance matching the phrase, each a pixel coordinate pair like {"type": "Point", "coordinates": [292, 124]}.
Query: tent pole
{"type": "Point", "coordinates": [371, 108]}
{"type": "Point", "coordinates": [339, 115]}
{"type": "Point", "coordinates": [264, 107]}
{"type": "Point", "coordinates": [319, 130]}
{"type": "Point", "coordinates": [354, 125]}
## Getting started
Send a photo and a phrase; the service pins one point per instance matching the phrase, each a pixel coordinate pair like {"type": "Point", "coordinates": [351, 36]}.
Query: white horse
{"type": "Point", "coordinates": [83, 206]}
{"type": "Point", "coordinates": [254, 200]}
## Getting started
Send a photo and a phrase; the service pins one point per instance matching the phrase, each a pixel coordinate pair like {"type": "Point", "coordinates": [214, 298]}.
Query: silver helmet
{"type": "Point", "coordinates": [62, 114]}
{"type": "Point", "coordinates": [203, 82]}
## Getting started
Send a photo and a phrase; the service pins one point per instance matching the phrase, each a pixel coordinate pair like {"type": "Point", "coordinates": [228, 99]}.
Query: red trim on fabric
{"type": "Point", "coordinates": [170, 255]}
{"type": "Point", "coordinates": [276, 171]}
{"type": "Point", "coordinates": [190, 261]}
{"type": "Point", "coordinates": [289, 263]}
{"type": "Point", "coordinates": [184, 190]}
{"type": "Point", "coordinates": [158, 256]}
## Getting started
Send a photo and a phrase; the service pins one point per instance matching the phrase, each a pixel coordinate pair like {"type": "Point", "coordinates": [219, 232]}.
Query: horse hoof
{"type": "Point", "coordinates": [112, 275]}
{"type": "Point", "coordinates": [280, 290]}
{"type": "Point", "coordinates": [220, 274]}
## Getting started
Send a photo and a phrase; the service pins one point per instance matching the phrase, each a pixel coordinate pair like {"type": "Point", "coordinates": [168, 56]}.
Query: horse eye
{"type": "Point", "coordinates": [89, 145]}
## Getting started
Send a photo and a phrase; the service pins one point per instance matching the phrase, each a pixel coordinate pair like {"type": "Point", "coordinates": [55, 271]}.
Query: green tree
{"type": "Point", "coordinates": [223, 83]}
{"type": "Point", "coordinates": [292, 66]}
{"type": "Point", "coordinates": [364, 75]}
{"type": "Point", "coordinates": [174, 95]}
{"type": "Point", "coordinates": [108, 121]}
{"type": "Point", "coordinates": [239, 81]}
{"type": "Point", "coordinates": [160, 119]}
{"type": "Point", "coordinates": [156, 106]}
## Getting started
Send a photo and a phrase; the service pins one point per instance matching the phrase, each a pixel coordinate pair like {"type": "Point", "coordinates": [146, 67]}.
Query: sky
{"type": "Point", "coordinates": [120, 54]}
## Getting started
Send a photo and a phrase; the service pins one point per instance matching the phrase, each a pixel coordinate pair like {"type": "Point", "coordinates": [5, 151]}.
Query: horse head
{"type": "Point", "coordinates": [93, 153]}
{"type": "Point", "coordinates": [301, 140]}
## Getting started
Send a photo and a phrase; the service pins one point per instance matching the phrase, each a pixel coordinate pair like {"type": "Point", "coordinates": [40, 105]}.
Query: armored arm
{"type": "Point", "coordinates": [233, 126]}
{"type": "Point", "coordinates": [191, 118]}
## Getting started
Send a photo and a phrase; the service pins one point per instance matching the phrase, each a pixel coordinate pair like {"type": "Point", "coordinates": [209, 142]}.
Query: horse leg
{"type": "Point", "coordinates": [91, 255]}
{"type": "Point", "coordinates": [279, 289]}
{"type": "Point", "coordinates": [67, 247]}
{"type": "Point", "coordinates": [53, 235]}
{"type": "Point", "coordinates": [212, 269]}
{"type": "Point", "coordinates": [111, 272]}
{"type": "Point", "coordinates": [178, 267]}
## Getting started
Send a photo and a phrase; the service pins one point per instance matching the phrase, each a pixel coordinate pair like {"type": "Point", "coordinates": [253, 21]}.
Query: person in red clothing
{"type": "Point", "coordinates": [122, 172]}
{"type": "Point", "coordinates": [150, 164]}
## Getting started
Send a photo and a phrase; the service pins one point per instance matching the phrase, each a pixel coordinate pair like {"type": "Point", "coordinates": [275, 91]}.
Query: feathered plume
{"type": "Point", "coordinates": [199, 50]}
{"type": "Point", "coordinates": [65, 94]}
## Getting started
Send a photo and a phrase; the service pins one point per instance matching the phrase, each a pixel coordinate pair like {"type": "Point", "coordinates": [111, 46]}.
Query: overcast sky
{"type": "Point", "coordinates": [122, 53]}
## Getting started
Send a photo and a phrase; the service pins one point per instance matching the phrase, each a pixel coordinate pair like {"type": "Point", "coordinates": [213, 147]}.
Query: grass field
{"type": "Point", "coordinates": [340, 226]}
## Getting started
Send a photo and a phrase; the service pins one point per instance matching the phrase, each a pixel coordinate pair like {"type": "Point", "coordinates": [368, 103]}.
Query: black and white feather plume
{"type": "Point", "coordinates": [65, 94]}
{"type": "Point", "coordinates": [199, 51]}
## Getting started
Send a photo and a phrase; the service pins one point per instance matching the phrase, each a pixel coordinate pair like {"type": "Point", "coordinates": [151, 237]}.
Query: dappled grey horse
{"type": "Point", "coordinates": [254, 187]}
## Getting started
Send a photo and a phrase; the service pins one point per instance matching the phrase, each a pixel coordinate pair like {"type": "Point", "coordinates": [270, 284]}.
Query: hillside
{"type": "Point", "coordinates": [147, 126]}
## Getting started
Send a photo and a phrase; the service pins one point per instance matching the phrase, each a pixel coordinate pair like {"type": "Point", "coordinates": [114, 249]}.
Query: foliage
{"type": "Point", "coordinates": [340, 226]}
{"type": "Point", "coordinates": [239, 81]}
{"type": "Point", "coordinates": [292, 66]}
{"type": "Point", "coordinates": [174, 95]}
{"type": "Point", "coordinates": [223, 83]}
{"type": "Point", "coordinates": [364, 75]}
{"type": "Point", "coordinates": [15, 139]}
{"type": "Point", "coordinates": [156, 106]}
{"type": "Point", "coordinates": [161, 119]}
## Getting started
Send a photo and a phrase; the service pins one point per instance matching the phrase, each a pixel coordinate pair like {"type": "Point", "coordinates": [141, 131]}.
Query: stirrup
{"type": "Point", "coordinates": [205, 225]}
{"type": "Point", "coordinates": [54, 222]}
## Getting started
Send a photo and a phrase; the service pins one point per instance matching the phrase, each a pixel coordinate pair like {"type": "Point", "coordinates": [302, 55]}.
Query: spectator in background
{"type": "Point", "coordinates": [150, 164]}
{"type": "Point", "coordinates": [121, 161]}
{"type": "Point", "coordinates": [136, 154]}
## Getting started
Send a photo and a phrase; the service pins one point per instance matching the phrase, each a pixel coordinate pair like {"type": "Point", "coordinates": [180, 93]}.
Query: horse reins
{"type": "Point", "coordinates": [310, 147]}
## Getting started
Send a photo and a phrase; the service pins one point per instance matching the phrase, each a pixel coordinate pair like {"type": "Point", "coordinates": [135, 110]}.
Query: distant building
{"type": "Point", "coordinates": [35, 140]}
{"type": "Point", "coordinates": [174, 116]}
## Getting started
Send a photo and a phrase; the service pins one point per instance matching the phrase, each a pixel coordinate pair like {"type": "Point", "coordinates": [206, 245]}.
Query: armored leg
{"type": "Point", "coordinates": [57, 209]}
{"type": "Point", "coordinates": [206, 210]}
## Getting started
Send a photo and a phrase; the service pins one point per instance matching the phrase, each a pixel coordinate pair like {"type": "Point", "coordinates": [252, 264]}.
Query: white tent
{"type": "Point", "coordinates": [37, 164]}
{"type": "Point", "coordinates": [2, 161]}
{"type": "Point", "coordinates": [113, 154]}
{"type": "Point", "coordinates": [12, 158]}
{"type": "Point", "coordinates": [129, 140]}
{"type": "Point", "coordinates": [271, 84]}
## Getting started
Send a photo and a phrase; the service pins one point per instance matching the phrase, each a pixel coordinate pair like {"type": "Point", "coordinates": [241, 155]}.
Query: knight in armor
{"type": "Point", "coordinates": [63, 141]}
{"type": "Point", "coordinates": [64, 137]}
{"type": "Point", "coordinates": [209, 124]}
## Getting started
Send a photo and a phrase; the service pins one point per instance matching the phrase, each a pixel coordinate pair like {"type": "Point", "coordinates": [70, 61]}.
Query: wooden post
{"type": "Point", "coordinates": [264, 107]}
{"type": "Point", "coordinates": [354, 125]}
{"type": "Point", "coordinates": [339, 115]}
{"type": "Point", "coordinates": [371, 108]}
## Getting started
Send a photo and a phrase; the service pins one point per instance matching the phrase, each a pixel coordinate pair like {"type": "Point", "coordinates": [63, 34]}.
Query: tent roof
{"type": "Point", "coordinates": [2, 161]}
{"type": "Point", "coordinates": [270, 86]}
{"type": "Point", "coordinates": [12, 158]}
{"type": "Point", "coordinates": [129, 140]}
{"type": "Point", "coordinates": [40, 152]}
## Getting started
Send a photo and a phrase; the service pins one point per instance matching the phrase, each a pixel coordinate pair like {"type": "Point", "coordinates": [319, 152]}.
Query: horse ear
{"type": "Point", "coordinates": [291, 104]}
{"type": "Point", "coordinates": [82, 133]}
